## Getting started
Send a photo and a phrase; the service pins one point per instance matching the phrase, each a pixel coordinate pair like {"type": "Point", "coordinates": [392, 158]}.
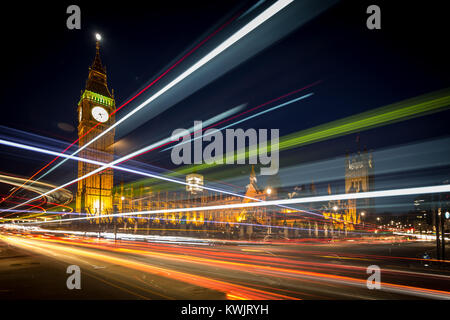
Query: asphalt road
{"type": "Point", "coordinates": [33, 266]}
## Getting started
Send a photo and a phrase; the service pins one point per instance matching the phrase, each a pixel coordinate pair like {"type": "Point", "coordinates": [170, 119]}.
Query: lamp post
{"type": "Point", "coordinates": [335, 209]}
{"type": "Point", "coordinates": [100, 205]}
{"type": "Point", "coordinates": [362, 218]}
{"type": "Point", "coordinates": [268, 219]}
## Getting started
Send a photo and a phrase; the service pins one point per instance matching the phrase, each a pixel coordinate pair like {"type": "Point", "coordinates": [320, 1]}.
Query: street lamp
{"type": "Point", "coordinates": [335, 208]}
{"type": "Point", "coordinates": [362, 216]}
{"type": "Point", "coordinates": [268, 191]}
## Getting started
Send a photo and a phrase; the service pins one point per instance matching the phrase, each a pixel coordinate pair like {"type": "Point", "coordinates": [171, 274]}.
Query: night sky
{"type": "Point", "coordinates": [45, 67]}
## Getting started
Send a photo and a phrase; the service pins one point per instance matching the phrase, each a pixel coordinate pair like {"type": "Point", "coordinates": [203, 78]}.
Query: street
{"type": "Point", "coordinates": [33, 266]}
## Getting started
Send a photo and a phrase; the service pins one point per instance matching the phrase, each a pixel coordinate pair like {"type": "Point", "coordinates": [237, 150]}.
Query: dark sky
{"type": "Point", "coordinates": [45, 66]}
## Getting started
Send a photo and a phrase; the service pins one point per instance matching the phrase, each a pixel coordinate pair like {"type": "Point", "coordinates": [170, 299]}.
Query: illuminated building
{"type": "Point", "coordinates": [195, 183]}
{"type": "Point", "coordinates": [139, 198]}
{"type": "Point", "coordinates": [256, 214]}
{"type": "Point", "coordinates": [94, 193]}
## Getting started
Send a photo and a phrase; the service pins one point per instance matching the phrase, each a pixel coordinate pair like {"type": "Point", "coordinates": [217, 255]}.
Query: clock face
{"type": "Point", "coordinates": [100, 114]}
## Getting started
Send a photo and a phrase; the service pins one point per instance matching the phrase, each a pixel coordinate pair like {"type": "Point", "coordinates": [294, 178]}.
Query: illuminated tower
{"type": "Point", "coordinates": [253, 191]}
{"type": "Point", "coordinates": [94, 194]}
{"type": "Point", "coordinates": [195, 183]}
{"type": "Point", "coordinates": [359, 177]}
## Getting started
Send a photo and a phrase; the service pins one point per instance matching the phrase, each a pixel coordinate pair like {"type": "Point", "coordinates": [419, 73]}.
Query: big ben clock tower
{"type": "Point", "coordinates": [95, 115]}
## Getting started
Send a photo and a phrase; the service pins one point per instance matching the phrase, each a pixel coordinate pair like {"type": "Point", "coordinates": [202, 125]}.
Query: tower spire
{"type": "Point", "coordinates": [253, 175]}
{"type": "Point", "coordinates": [97, 73]}
{"type": "Point", "coordinates": [97, 64]}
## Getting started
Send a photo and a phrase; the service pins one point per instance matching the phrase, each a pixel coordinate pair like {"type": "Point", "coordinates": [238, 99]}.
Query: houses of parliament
{"type": "Point", "coordinates": [98, 196]}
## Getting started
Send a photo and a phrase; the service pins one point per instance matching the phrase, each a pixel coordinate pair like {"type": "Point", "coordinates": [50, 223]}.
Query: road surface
{"type": "Point", "coordinates": [33, 266]}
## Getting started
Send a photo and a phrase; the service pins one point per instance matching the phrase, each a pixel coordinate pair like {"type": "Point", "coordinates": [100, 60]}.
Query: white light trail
{"type": "Point", "coordinates": [245, 119]}
{"type": "Point", "coordinates": [103, 164]}
{"type": "Point", "coordinates": [212, 120]}
{"type": "Point", "coordinates": [252, 25]}
{"type": "Point", "coordinates": [137, 172]}
{"type": "Point", "coordinates": [345, 196]}
{"type": "Point", "coordinates": [419, 236]}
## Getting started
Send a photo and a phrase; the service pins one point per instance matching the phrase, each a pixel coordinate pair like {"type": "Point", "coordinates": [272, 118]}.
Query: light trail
{"type": "Point", "coordinates": [256, 22]}
{"type": "Point", "coordinates": [137, 172]}
{"type": "Point", "coordinates": [286, 268]}
{"type": "Point", "coordinates": [125, 103]}
{"type": "Point", "coordinates": [163, 245]}
{"type": "Point", "coordinates": [345, 196]}
{"type": "Point", "coordinates": [419, 236]}
{"type": "Point", "coordinates": [269, 102]}
{"type": "Point", "coordinates": [275, 202]}
{"type": "Point", "coordinates": [43, 211]}
{"type": "Point", "coordinates": [39, 188]}
{"type": "Point", "coordinates": [37, 213]}
{"type": "Point", "coordinates": [103, 164]}
{"type": "Point", "coordinates": [256, 5]}
{"type": "Point", "coordinates": [126, 235]}
{"type": "Point", "coordinates": [169, 140]}
{"type": "Point", "coordinates": [245, 112]}
{"type": "Point", "coordinates": [401, 111]}
{"type": "Point", "coordinates": [226, 287]}
{"type": "Point", "coordinates": [250, 110]}
{"type": "Point", "coordinates": [248, 118]}
{"type": "Point", "coordinates": [260, 19]}
{"type": "Point", "coordinates": [408, 109]}
{"type": "Point", "coordinates": [239, 262]}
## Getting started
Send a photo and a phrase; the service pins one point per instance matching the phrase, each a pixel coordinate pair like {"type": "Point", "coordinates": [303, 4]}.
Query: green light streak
{"type": "Point", "coordinates": [401, 111]}
{"type": "Point", "coordinates": [367, 120]}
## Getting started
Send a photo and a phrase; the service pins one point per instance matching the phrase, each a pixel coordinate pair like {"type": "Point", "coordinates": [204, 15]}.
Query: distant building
{"type": "Point", "coordinates": [422, 215]}
{"type": "Point", "coordinates": [359, 177]}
